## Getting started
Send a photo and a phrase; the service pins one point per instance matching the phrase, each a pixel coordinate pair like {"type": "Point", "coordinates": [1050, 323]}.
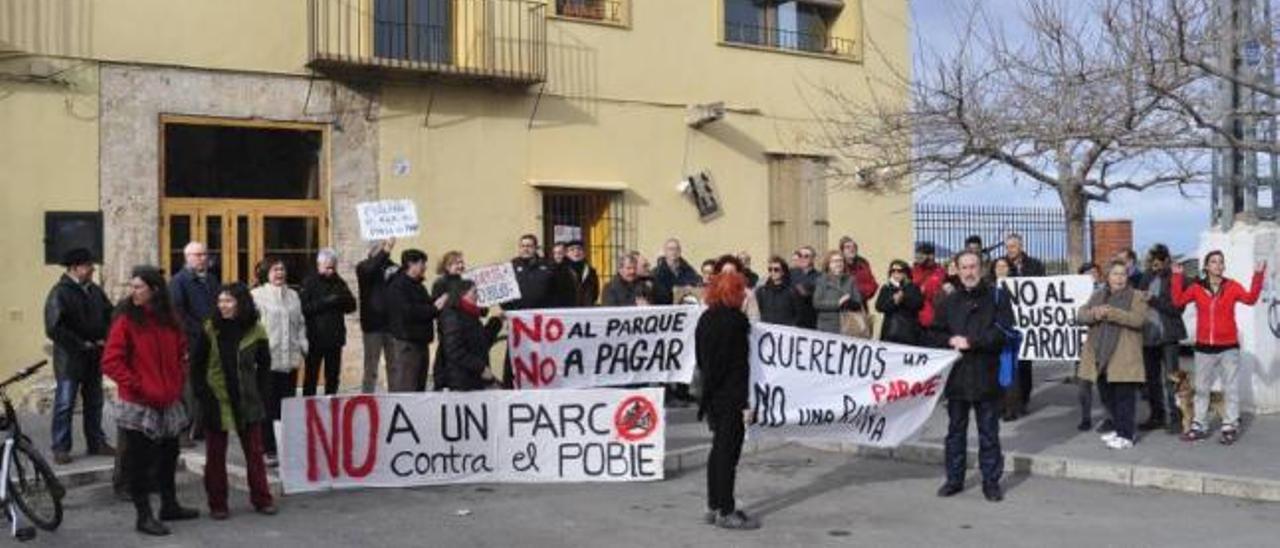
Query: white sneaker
{"type": "Point", "coordinates": [1106, 438]}
{"type": "Point", "coordinates": [1119, 443]}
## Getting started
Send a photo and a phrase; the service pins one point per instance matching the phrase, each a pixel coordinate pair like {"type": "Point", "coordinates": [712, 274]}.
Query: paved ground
{"type": "Point", "coordinates": [806, 497]}
{"type": "Point", "coordinates": [1050, 429]}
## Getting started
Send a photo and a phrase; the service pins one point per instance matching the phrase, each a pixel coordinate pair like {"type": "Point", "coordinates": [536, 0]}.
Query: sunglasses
{"type": "Point", "coordinates": [896, 270]}
{"type": "Point", "coordinates": [774, 269]}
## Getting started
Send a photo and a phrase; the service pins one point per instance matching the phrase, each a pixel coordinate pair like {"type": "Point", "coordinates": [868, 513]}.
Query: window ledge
{"type": "Point", "coordinates": [857, 60]}
{"type": "Point", "coordinates": [590, 21]}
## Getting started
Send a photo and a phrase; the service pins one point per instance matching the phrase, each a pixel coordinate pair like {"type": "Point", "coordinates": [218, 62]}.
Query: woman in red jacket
{"type": "Point", "coordinates": [1217, 339]}
{"type": "Point", "coordinates": [143, 355]}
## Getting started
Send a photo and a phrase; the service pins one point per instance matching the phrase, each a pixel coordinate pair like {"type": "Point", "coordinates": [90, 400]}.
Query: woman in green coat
{"type": "Point", "coordinates": [231, 373]}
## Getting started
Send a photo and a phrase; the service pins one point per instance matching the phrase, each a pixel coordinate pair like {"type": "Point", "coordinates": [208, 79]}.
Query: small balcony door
{"type": "Point", "coordinates": [414, 30]}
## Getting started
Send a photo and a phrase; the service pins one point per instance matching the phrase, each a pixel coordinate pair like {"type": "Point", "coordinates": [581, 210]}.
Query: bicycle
{"type": "Point", "coordinates": [29, 485]}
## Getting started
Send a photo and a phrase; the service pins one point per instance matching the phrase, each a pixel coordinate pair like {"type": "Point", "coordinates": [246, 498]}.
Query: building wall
{"type": "Point", "coordinates": [50, 165]}
{"type": "Point", "coordinates": [612, 110]}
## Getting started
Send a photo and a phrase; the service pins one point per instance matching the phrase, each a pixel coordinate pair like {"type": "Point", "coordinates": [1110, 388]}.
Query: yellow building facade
{"type": "Point", "coordinates": [258, 125]}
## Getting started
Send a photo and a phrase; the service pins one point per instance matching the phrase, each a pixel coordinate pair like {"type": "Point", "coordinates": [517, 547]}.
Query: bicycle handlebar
{"type": "Point", "coordinates": [19, 376]}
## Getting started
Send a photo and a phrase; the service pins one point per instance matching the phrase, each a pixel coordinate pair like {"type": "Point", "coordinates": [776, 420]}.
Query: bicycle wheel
{"type": "Point", "coordinates": [34, 488]}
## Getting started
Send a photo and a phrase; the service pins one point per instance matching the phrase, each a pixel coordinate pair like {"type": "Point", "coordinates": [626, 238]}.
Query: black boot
{"type": "Point", "coordinates": [170, 510]}
{"type": "Point", "coordinates": [147, 523]}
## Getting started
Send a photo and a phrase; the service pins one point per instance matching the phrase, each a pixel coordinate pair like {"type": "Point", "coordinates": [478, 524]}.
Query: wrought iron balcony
{"type": "Point", "coordinates": [777, 38]}
{"type": "Point", "coordinates": [502, 41]}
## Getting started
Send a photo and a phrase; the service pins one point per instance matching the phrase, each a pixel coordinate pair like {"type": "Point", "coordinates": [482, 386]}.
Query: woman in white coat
{"type": "Point", "coordinates": [281, 311]}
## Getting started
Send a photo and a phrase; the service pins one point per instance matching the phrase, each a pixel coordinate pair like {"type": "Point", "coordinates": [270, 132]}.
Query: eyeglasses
{"type": "Point", "coordinates": [774, 269]}
{"type": "Point", "coordinates": [806, 255]}
{"type": "Point", "coordinates": [896, 270]}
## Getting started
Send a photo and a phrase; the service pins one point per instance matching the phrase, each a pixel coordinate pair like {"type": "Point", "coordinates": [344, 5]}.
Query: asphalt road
{"type": "Point", "coordinates": [805, 497]}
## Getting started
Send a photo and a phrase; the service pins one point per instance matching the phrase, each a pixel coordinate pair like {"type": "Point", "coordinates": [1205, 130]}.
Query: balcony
{"type": "Point", "coordinates": [498, 41]}
{"type": "Point", "coordinates": [612, 12]}
{"type": "Point", "coordinates": [788, 40]}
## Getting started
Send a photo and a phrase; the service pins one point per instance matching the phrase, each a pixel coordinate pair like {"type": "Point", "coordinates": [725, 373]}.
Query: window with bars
{"type": "Point", "coordinates": [597, 218]}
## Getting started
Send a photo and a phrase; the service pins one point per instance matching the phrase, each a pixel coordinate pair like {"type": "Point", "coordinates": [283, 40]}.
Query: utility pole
{"type": "Point", "coordinates": [1246, 50]}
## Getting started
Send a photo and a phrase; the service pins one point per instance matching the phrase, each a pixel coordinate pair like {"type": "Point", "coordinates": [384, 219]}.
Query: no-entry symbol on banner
{"type": "Point", "coordinates": [635, 418]}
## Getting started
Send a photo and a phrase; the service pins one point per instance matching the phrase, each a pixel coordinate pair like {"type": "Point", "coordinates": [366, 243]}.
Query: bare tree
{"type": "Point", "coordinates": [1074, 97]}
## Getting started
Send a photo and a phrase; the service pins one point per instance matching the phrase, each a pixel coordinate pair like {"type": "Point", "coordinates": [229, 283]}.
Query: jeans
{"type": "Point", "coordinates": [377, 345]}
{"type": "Point", "coordinates": [990, 459]}
{"type": "Point", "coordinates": [332, 359]}
{"type": "Point", "coordinates": [64, 404]}
{"type": "Point", "coordinates": [1121, 399]}
{"type": "Point", "coordinates": [722, 464]}
{"type": "Point", "coordinates": [283, 385]}
{"type": "Point", "coordinates": [1160, 362]}
{"type": "Point", "coordinates": [1209, 365]}
{"type": "Point", "coordinates": [215, 468]}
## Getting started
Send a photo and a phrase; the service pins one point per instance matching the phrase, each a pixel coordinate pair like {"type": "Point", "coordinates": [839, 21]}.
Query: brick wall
{"type": "Point", "coordinates": [1109, 238]}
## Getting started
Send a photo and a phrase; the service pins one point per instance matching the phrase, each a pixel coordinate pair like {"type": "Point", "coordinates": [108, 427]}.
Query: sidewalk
{"type": "Point", "coordinates": [1046, 443]}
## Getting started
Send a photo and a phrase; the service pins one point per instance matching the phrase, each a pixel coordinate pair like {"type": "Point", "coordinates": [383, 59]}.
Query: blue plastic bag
{"type": "Point", "coordinates": [1012, 345]}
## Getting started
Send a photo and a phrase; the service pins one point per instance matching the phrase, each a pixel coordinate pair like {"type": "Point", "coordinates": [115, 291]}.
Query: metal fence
{"type": "Point", "coordinates": [1043, 230]}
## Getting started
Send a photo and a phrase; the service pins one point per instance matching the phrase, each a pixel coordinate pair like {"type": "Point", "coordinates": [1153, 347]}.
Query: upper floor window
{"type": "Point", "coordinates": [798, 25]}
{"type": "Point", "coordinates": [414, 30]}
{"type": "Point", "coordinates": [608, 11]}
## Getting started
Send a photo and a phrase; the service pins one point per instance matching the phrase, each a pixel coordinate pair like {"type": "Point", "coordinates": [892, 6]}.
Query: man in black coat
{"type": "Point", "coordinates": [1022, 266]}
{"type": "Point", "coordinates": [969, 321]}
{"type": "Point", "coordinates": [372, 276]}
{"type": "Point", "coordinates": [1160, 346]}
{"type": "Point", "coordinates": [535, 277]}
{"type": "Point", "coordinates": [674, 271]}
{"type": "Point", "coordinates": [77, 316]}
{"type": "Point", "coordinates": [586, 283]}
{"type": "Point", "coordinates": [804, 277]}
{"type": "Point", "coordinates": [326, 300]}
{"type": "Point", "coordinates": [411, 316]}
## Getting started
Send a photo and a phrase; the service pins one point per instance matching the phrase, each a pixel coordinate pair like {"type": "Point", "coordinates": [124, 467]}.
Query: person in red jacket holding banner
{"type": "Point", "coordinates": [1217, 339]}
{"type": "Point", "coordinates": [144, 355]}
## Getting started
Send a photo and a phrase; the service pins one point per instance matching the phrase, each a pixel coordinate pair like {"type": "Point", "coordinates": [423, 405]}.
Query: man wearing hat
{"type": "Point", "coordinates": [77, 316]}
{"type": "Point", "coordinates": [586, 282]}
{"type": "Point", "coordinates": [929, 276]}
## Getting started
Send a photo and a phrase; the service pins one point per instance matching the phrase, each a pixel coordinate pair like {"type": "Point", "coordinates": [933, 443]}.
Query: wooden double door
{"type": "Point", "coordinates": [241, 233]}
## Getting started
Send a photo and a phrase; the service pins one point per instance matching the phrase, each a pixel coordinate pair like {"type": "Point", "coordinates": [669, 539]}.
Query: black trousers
{"type": "Point", "coordinates": [990, 458]}
{"type": "Point", "coordinates": [150, 465]}
{"type": "Point", "coordinates": [1023, 378]}
{"type": "Point", "coordinates": [332, 358]}
{"type": "Point", "coordinates": [283, 385]}
{"type": "Point", "coordinates": [1160, 362]}
{"type": "Point", "coordinates": [722, 465]}
{"type": "Point", "coordinates": [1121, 400]}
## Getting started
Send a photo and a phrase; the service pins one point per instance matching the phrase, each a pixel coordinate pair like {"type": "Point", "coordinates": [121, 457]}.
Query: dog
{"type": "Point", "coordinates": [1184, 388]}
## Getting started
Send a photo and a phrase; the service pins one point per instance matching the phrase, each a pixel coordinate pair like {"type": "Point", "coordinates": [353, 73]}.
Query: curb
{"type": "Point", "coordinates": [1128, 475]}
{"type": "Point", "coordinates": [695, 457]}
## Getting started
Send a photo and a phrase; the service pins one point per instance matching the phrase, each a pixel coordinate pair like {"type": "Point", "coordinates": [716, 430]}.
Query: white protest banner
{"type": "Point", "coordinates": [1045, 310]}
{"type": "Point", "coordinates": [586, 347]}
{"type": "Point", "coordinates": [387, 219]}
{"type": "Point", "coordinates": [404, 440]}
{"type": "Point", "coordinates": [813, 385]}
{"type": "Point", "coordinates": [495, 284]}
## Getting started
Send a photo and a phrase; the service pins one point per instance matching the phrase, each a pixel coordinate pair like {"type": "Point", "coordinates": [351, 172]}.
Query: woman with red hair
{"type": "Point", "coordinates": [721, 340]}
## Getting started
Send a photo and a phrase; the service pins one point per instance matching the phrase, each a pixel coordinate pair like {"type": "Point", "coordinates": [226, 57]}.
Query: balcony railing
{"type": "Point", "coordinates": [497, 40]}
{"type": "Point", "coordinates": [776, 38]}
{"type": "Point", "coordinates": [607, 11]}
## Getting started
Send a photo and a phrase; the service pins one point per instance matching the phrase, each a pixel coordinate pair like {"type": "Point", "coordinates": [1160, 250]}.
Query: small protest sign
{"type": "Point", "coordinates": [588, 347]}
{"type": "Point", "coordinates": [495, 284]}
{"type": "Point", "coordinates": [1045, 310]}
{"type": "Point", "coordinates": [387, 219]}
{"type": "Point", "coordinates": [403, 440]}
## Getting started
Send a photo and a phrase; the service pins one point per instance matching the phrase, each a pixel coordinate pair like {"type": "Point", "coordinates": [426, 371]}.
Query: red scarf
{"type": "Point", "coordinates": [469, 308]}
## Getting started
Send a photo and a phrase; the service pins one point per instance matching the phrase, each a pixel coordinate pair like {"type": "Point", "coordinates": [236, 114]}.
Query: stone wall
{"type": "Point", "coordinates": [134, 97]}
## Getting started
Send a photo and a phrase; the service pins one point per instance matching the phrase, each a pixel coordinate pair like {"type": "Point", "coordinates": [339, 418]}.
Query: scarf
{"type": "Point", "coordinates": [469, 308]}
{"type": "Point", "coordinates": [1107, 334]}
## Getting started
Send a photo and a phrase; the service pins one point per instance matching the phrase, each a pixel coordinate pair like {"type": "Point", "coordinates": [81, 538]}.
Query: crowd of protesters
{"type": "Point", "coordinates": [196, 359]}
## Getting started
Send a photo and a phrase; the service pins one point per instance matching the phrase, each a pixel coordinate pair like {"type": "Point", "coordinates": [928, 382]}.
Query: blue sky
{"type": "Point", "coordinates": [1158, 216]}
